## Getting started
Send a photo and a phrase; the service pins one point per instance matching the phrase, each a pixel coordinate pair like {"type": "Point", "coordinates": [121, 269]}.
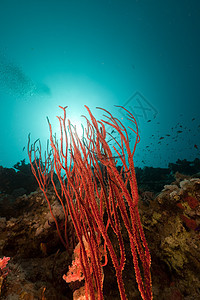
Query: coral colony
{"type": "Point", "coordinates": [100, 197]}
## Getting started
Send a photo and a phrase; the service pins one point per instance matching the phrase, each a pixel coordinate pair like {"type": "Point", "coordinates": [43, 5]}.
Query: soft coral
{"type": "Point", "coordinates": [3, 270]}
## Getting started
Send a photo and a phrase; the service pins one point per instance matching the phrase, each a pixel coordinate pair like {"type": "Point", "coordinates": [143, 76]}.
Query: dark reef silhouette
{"type": "Point", "coordinates": [19, 180]}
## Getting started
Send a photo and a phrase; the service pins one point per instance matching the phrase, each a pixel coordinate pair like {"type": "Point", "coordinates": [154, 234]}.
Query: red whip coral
{"type": "Point", "coordinates": [98, 196]}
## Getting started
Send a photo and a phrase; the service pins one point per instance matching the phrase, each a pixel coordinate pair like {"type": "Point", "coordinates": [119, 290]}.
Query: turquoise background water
{"type": "Point", "coordinates": [143, 55]}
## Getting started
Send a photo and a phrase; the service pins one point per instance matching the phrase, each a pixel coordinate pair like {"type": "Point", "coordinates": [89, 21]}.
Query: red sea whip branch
{"type": "Point", "coordinates": [86, 215]}
{"type": "Point", "coordinates": [138, 242]}
{"type": "Point", "coordinates": [41, 171]}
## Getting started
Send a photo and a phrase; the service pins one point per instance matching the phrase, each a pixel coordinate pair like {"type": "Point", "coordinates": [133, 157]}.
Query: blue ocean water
{"type": "Point", "coordinates": [143, 55]}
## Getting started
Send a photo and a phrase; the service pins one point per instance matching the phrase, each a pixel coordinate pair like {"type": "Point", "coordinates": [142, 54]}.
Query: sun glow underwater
{"type": "Point", "coordinates": [64, 129]}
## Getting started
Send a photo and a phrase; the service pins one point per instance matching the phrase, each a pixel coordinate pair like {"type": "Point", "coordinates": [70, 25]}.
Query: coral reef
{"type": "Point", "coordinates": [172, 223]}
{"type": "Point", "coordinates": [39, 260]}
{"type": "Point", "coordinates": [18, 180]}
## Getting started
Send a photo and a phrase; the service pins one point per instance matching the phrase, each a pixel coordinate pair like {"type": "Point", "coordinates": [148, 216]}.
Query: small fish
{"type": "Point", "coordinates": [161, 138]}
